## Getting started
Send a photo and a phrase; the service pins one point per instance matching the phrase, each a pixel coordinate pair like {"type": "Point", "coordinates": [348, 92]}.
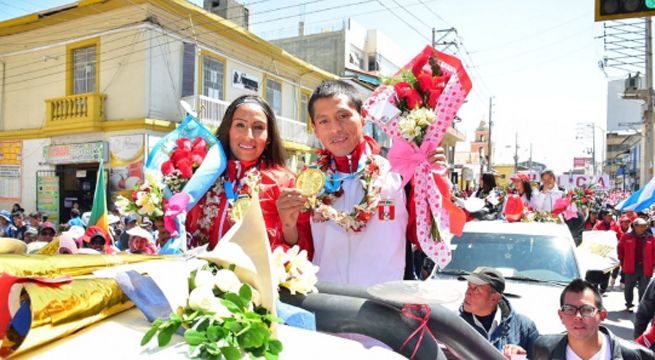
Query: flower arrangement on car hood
{"type": "Point", "coordinates": [415, 108]}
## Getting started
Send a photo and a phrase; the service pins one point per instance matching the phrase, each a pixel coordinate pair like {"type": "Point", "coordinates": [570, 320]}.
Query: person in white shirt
{"type": "Point", "coordinates": [545, 199]}
{"type": "Point", "coordinates": [582, 312]}
{"type": "Point", "coordinates": [350, 245]}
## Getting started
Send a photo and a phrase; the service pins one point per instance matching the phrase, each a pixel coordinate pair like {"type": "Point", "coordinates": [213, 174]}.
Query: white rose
{"type": "Point", "coordinates": [227, 280]}
{"type": "Point", "coordinates": [205, 278]}
{"type": "Point", "coordinates": [220, 311]}
{"type": "Point", "coordinates": [201, 298]}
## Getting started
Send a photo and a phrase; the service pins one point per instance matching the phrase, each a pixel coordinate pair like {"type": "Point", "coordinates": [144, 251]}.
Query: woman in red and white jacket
{"type": "Point", "coordinates": [256, 159]}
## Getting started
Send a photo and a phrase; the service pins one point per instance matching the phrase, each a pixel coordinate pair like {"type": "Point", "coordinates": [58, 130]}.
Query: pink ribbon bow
{"type": "Point", "coordinates": [406, 158]}
{"type": "Point", "coordinates": [176, 205]}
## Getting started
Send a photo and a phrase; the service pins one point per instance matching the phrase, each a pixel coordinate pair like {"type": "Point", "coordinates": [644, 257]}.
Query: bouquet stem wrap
{"type": "Point", "coordinates": [431, 188]}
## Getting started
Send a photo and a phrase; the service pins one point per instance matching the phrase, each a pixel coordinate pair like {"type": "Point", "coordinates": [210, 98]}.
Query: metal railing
{"type": "Point", "coordinates": [211, 112]}
{"type": "Point", "coordinates": [84, 107]}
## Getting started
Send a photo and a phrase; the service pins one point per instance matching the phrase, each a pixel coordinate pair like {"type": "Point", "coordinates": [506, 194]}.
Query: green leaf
{"type": "Point", "coordinates": [254, 337]}
{"type": "Point", "coordinates": [275, 346]}
{"type": "Point", "coordinates": [231, 353]}
{"type": "Point", "coordinates": [245, 293]}
{"type": "Point", "coordinates": [231, 306]}
{"type": "Point", "coordinates": [149, 335]}
{"type": "Point", "coordinates": [232, 267]}
{"type": "Point", "coordinates": [194, 337]}
{"type": "Point", "coordinates": [175, 317]}
{"type": "Point", "coordinates": [192, 280]}
{"type": "Point", "coordinates": [165, 335]}
{"type": "Point", "coordinates": [157, 322]}
{"type": "Point", "coordinates": [270, 356]}
{"type": "Point", "coordinates": [236, 299]}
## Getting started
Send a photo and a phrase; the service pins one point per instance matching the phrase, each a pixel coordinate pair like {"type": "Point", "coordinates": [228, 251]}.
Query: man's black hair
{"type": "Point", "coordinates": [578, 286]}
{"type": "Point", "coordinates": [332, 88]}
{"type": "Point", "coordinates": [75, 213]}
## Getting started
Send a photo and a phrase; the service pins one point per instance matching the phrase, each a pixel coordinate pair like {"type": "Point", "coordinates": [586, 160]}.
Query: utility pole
{"type": "Point", "coordinates": [489, 143]}
{"type": "Point", "coordinates": [593, 147]}
{"type": "Point", "coordinates": [516, 153]}
{"type": "Point", "coordinates": [647, 143]}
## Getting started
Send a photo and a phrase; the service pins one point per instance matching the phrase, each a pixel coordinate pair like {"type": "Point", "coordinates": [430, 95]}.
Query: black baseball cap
{"type": "Point", "coordinates": [486, 275]}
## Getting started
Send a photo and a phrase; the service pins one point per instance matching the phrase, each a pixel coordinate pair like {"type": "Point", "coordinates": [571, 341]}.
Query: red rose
{"type": "Point", "coordinates": [179, 154]}
{"type": "Point", "coordinates": [417, 68]}
{"type": "Point", "coordinates": [183, 143]}
{"type": "Point", "coordinates": [196, 159]}
{"type": "Point", "coordinates": [402, 89]}
{"type": "Point", "coordinates": [433, 97]}
{"type": "Point", "coordinates": [425, 82]}
{"type": "Point", "coordinates": [201, 151]}
{"type": "Point", "coordinates": [186, 168]}
{"type": "Point", "coordinates": [414, 99]}
{"type": "Point", "coordinates": [135, 195]}
{"type": "Point", "coordinates": [167, 167]}
{"type": "Point", "coordinates": [199, 143]}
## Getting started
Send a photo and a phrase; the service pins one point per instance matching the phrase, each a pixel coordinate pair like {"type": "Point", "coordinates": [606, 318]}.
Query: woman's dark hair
{"type": "Point", "coordinates": [527, 189]}
{"type": "Point", "coordinates": [332, 88]}
{"type": "Point", "coordinates": [488, 181]}
{"type": "Point", "coordinates": [274, 153]}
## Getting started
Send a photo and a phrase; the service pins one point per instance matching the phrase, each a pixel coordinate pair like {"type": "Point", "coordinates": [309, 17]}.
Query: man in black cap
{"type": "Point", "coordinates": [489, 312]}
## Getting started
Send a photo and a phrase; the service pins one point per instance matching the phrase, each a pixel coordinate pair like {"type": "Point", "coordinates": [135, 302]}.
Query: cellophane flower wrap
{"type": "Point", "coordinates": [188, 161]}
{"type": "Point", "coordinates": [415, 108]}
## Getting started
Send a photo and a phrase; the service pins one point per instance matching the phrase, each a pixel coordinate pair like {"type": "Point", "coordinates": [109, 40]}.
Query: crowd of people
{"type": "Point", "coordinates": [127, 232]}
{"type": "Point", "coordinates": [366, 231]}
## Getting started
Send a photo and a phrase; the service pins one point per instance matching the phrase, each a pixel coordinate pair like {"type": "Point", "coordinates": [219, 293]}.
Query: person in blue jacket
{"type": "Point", "coordinates": [490, 313]}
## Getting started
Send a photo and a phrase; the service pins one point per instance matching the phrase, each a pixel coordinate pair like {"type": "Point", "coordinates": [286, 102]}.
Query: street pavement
{"type": "Point", "coordinates": [619, 321]}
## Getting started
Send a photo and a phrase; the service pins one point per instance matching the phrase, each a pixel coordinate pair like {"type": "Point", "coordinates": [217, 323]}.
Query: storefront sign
{"type": "Point", "coordinates": [580, 162]}
{"type": "Point", "coordinates": [10, 170]}
{"type": "Point", "coordinates": [47, 197]}
{"type": "Point", "coordinates": [245, 81]}
{"type": "Point", "coordinates": [74, 153]}
{"type": "Point", "coordinates": [126, 160]}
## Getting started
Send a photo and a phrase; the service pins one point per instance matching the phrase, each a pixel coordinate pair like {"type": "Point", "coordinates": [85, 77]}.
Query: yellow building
{"type": "Point", "coordinates": [104, 79]}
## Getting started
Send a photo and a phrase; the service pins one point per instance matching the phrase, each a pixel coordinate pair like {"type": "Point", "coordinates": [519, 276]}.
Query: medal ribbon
{"type": "Point", "coordinates": [333, 183]}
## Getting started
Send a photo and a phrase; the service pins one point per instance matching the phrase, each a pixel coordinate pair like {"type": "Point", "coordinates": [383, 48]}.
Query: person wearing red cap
{"type": "Point", "coordinates": [523, 188]}
{"type": "Point", "coordinates": [96, 239]}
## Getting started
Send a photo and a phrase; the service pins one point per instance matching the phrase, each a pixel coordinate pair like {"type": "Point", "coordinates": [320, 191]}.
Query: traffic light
{"type": "Point", "coordinates": [623, 9]}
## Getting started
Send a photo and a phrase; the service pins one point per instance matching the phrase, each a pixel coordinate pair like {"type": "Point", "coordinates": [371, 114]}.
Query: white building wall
{"type": "Point", "coordinates": [33, 161]}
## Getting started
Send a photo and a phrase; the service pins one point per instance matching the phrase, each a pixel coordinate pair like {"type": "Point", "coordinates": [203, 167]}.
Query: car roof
{"type": "Point", "coordinates": [527, 228]}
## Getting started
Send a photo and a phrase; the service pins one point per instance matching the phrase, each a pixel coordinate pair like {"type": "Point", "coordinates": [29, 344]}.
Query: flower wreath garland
{"type": "Point", "coordinates": [251, 182]}
{"type": "Point", "coordinates": [357, 219]}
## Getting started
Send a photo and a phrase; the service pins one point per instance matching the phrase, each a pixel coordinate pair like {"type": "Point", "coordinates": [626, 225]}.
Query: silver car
{"type": "Point", "coordinates": [537, 260]}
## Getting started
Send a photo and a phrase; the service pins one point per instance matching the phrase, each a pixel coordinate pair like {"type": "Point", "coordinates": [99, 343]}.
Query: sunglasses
{"type": "Point", "coordinates": [584, 310]}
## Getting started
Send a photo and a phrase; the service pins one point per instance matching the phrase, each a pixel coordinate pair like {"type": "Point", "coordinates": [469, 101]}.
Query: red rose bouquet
{"type": "Point", "coordinates": [415, 108]}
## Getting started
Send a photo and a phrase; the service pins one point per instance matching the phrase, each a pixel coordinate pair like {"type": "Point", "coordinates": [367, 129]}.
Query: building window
{"type": "Point", "coordinates": [274, 95]}
{"type": "Point", "coordinates": [303, 112]}
{"type": "Point", "coordinates": [213, 77]}
{"type": "Point", "coordinates": [82, 70]}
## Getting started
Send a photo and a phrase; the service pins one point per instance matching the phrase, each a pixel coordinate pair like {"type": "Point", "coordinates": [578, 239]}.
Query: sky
{"type": "Point", "coordinates": [537, 59]}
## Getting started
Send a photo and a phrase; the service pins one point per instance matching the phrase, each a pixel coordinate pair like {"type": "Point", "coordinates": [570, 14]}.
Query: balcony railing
{"type": "Point", "coordinates": [212, 111]}
{"type": "Point", "coordinates": [81, 107]}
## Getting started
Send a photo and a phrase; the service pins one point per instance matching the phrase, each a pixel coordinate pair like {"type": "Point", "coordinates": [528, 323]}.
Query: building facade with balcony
{"type": "Point", "coordinates": [104, 79]}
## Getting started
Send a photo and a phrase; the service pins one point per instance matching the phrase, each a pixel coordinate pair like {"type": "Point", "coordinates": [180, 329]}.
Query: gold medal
{"type": "Point", "coordinates": [239, 208]}
{"type": "Point", "coordinates": [310, 182]}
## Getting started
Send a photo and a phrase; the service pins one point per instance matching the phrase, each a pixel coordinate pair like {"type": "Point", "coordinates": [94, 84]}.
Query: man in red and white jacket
{"type": "Point", "coordinates": [636, 252]}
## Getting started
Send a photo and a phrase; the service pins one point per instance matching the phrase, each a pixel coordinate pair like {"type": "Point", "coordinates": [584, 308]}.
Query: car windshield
{"type": "Point", "coordinates": [520, 256]}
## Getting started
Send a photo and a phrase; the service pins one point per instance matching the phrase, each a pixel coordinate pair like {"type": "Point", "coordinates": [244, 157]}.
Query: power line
{"type": "Point", "coordinates": [403, 20]}
{"type": "Point", "coordinates": [104, 59]}
{"type": "Point", "coordinates": [105, 51]}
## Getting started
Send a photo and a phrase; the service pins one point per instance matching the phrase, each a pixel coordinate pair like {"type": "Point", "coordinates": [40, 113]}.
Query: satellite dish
{"type": "Point", "coordinates": [188, 109]}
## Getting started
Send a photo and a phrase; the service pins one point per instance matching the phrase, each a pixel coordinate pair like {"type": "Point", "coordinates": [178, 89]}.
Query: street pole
{"type": "Point", "coordinates": [647, 143]}
{"type": "Point", "coordinates": [516, 153]}
{"type": "Point", "coordinates": [489, 150]}
{"type": "Point", "coordinates": [593, 145]}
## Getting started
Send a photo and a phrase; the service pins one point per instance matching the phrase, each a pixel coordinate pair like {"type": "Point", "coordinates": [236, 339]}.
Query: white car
{"type": "Point", "coordinates": [537, 260]}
